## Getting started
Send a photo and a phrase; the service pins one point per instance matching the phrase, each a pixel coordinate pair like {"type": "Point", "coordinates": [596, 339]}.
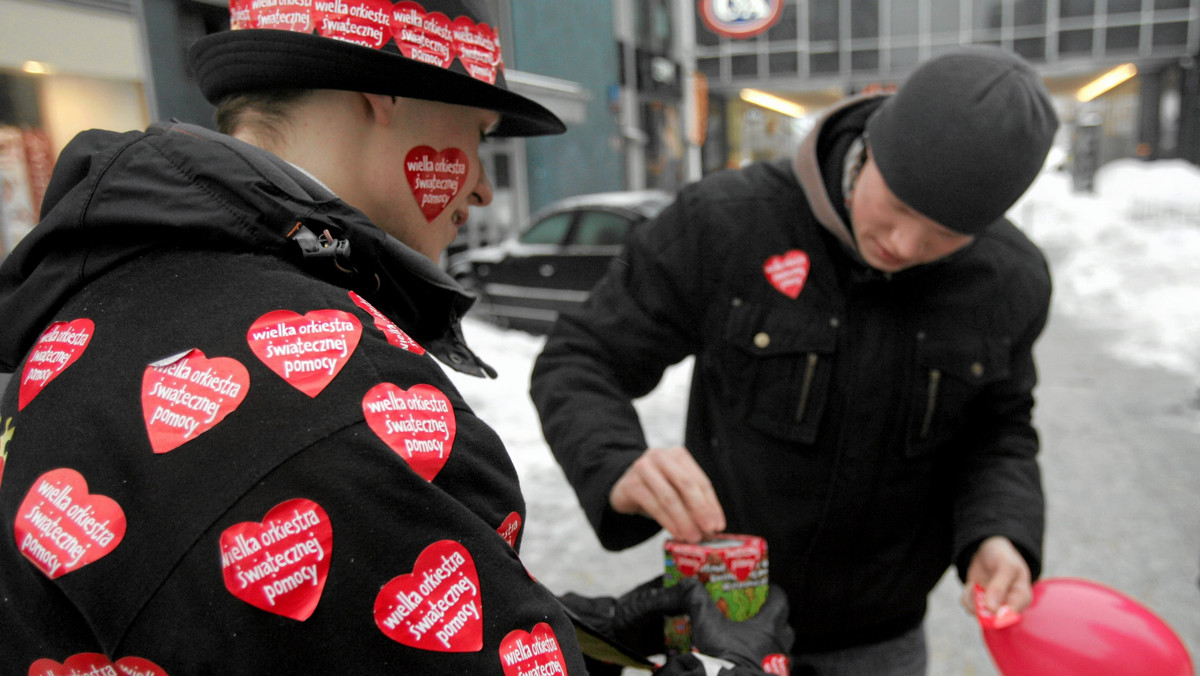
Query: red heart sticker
{"type": "Point", "coordinates": [307, 351]}
{"type": "Point", "coordinates": [423, 36]}
{"type": "Point", "coordinates": [536, 652]}
{"type": "Point", "coordinates": [688, 558]}
{"type": "Point", "coordinates": [137, 666]}
{"type": "Point", "coordinates": [185, 395]}
{"type": "Point", "coordinates": [787, 272]}
{"type": "Point", "coordinates": [284, 15]}
{"type": "Point", "coordinates": [417, 423]}
{"type": "Point", "coordinates": [239, 14]}
{"type": "Point", "coordinates": [477, 47]}
{"type": "Point", "coordinates": [741, 560]}
{"type": "Point", "coordinates": [435, 177]}
{"type": "Point", "coordinates": [436, 607]}
{"type": "Point", "coordinates": [778, 664]}
{"type": "Point", "coordinates": [362, 22]}
{"type": "Point", "coordinates": [57, 348]}
{"type": "Point", "coordinates": [510, 529]}
{"type": "Point", "coordinates": [390, 331]}
{"type": "Point", "coordinates": [80, 664]}
{"type": "Point", "coordinates": [60, 528]}
{"type": "Point", "coordinates": [281, 563]}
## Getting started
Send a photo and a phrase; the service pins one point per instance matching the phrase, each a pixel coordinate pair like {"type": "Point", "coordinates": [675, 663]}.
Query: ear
{"type": "Point", "coordinates": [381, 107]}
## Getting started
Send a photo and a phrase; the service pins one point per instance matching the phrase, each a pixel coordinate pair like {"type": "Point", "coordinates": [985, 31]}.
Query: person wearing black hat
{"type": "Point", "coordinates": [862, 319]}
{"type": "Point", "coordinates": [228, 448]}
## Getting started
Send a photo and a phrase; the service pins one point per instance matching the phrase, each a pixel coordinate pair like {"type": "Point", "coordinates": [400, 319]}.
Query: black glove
{"type": "Point", "coordinates": [635, 619]}
{"type": "Point", "coordinates": [744, 643]}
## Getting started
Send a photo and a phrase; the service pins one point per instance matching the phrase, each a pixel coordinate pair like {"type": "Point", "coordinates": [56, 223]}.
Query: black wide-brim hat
{"type": "Point", "coordinates": [250, 58]}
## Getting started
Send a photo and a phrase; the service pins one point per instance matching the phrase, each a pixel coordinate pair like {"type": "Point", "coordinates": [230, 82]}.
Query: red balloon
{"type": "Point", "coordinates": [1080, 628]}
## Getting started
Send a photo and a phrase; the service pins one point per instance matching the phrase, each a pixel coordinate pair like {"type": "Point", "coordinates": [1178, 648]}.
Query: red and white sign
{"type": "Point", "coordinates": [740, 19]}
{"type": "Point", "coordinates": [186, 395]}
{"type": "Point", "coordinates": [532, 652]}
{"type": "Point", "coordinates": [788, 272]}
{"type": "Point", "coordinates": [89, 664]}
{"type": "Point", "coordinates": [435, 177]}
{"type": "Point", "coordinates": [61, 528]}
{"type": "Point", "coordinates": [307, 350]}
{"type": "Point", "coordinates": [510, 529]}
{"type": "Point", "coordinates": [423, 36]}
{"type": "Point", "coordinates": [438, 606]}
{"type": "Point", "coordinates": [417, 423]}
{"type": "Point", "coordinates": [393, 333]}
{"type": "Point", "coordinates": [280, 564]}
{"type": "Point", "coordinates": [57, 348]}
{"type": "Point", "coordinates": [362, 22]}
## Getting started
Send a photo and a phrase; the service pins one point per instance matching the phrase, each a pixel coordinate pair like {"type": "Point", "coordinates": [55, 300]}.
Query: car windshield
{"type": "Point", "coordinates": [601, 228]}
{"type": "Point", "coordinates": [549, 230]}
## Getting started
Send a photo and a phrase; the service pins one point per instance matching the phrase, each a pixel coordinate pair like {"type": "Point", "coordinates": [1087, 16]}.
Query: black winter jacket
{"type": "Point", "coordinates": [873, 428]}
{"type": "Point", "coordinates": [226, 446]}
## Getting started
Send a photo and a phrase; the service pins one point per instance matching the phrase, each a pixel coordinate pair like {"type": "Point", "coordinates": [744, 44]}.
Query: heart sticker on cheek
{"type": "Point", "coordinates": [436, 607]}
{"type": "Point", "coordinates": [435, 177]}
{"type": "Point", "coordinates": [535, 652]}
{"type": "Point", "coordinates": [307, 350]}
{"type": "Point", "coordinates": [57, 348]}
{"type": "Point", "coordinates": [788, 272]}
{"type": "Point", "coordinates": [186, 395]}
{"type": "Point", "coordinates": [60, 528]}
{"type": "Point", "coordinates": [281, 563]}
{"type": "Point", "coordinates": [417, 423]}
{"type": "Point", "coordinates": [510, 529]}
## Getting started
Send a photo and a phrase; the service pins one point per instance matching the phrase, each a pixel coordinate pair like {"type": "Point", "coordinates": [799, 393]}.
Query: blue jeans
{"type": "Point", "coordinates": [904, 655]}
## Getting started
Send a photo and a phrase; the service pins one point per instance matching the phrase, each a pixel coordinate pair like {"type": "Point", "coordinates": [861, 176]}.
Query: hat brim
{"type": "Point", "coordinates": [234, 62]}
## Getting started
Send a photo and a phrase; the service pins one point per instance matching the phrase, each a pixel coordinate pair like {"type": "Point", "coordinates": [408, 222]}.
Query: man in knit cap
{"type": "Point", "coordinates": [862, 319]}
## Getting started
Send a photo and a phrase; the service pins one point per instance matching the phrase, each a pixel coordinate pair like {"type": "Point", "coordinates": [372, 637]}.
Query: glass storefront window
{"type": "Point", "coordinates": [1124, 7]}
{"type": "Point", "coordinates": [864, 19]}
{"type": "Point", "coordinates": [946, 17]}
{"type": "Point", "coordinates": [1029, 13]}
{"type": "Point", "coordinates": [785, 29]}
{"type": "Point", "coordinates": [906, 16]}
{"type": "Point", "coordinates": [1171, 34]}
{"type": "Point", "coordinates": [1122, 38]}
{"type": "Point", "coordinates": [988, 13]}
{"type": "Point", "coordinates": [1073, 8]}
{"type": "Point", "coordinates": [823, 20]}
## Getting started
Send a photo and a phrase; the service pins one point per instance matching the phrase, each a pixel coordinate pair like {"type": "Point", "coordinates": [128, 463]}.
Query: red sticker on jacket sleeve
{"type": "Point", "coordinates": [393, 333]}
{"type": "Point", "coordinates": [423, 36]}
{"type": "Point", "coordinates": [58, 347]}
{"type": "Point", "coordinates": [61, 528]}
{"type": "Point", "coordinates": [280, 564]}
{"type": "Point", "coordinates": [417, 423]}
{"type": "Point", "coordinates": [363, 22]}
{"type": "Point", "coordinates": [435, 177]}
{"type": "Point", "coordinates": [80, 664]}
{"type": "Point", "coordinates": [138, 666]}
{"type": "Point", "coordinates": [438, 606]}
{"type": "Point", "coordinates": [185, 395]}
{"type": "Point", "coordinates": [787, 272]}
{"type": "Point", "coordinates": [532, 652]}
{"type": "Point", "coordinates": [307, 350]}
{"type": "Point", "coordinates": [478, 48]}
{"type": "Point", "coordinates": [510, 529]}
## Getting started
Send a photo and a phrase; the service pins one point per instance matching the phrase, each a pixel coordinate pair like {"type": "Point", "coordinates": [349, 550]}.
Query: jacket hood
{"type": "Point", "coordinates": [114, 197]}
{"type": "Point", "coordinates": [845, 118]}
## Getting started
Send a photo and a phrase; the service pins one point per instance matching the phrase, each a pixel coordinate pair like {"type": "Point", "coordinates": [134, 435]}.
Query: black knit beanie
{"type": "Point", "coordinates": [964, 137]}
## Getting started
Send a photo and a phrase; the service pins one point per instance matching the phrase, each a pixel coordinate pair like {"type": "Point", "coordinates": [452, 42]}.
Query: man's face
{"type": "Point", "coordinates": [891, 235]}
{"type": "Point", "coordinates": [422, 172]}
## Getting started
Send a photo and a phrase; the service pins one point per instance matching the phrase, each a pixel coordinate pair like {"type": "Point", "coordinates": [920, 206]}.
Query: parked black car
{"type": "Point", "coordinates": [526, 280]}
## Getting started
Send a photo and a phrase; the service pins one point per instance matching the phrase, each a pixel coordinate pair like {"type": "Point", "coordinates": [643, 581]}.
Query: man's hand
{"type": "Point", "coordinates": [1002, 572]}
{"type": "Point", "coordinates": [668, 486]}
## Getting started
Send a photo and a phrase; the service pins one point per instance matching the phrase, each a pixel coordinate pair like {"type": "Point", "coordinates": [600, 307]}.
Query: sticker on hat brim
{"type": "Point", "coordinates": [361, 22]}
{"type": "Point", "coordinates": [478, 48]}
{"type": "Point", "coordinates": [423, 36]}
{"type": "Point", "coordinates": [284, 15]}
